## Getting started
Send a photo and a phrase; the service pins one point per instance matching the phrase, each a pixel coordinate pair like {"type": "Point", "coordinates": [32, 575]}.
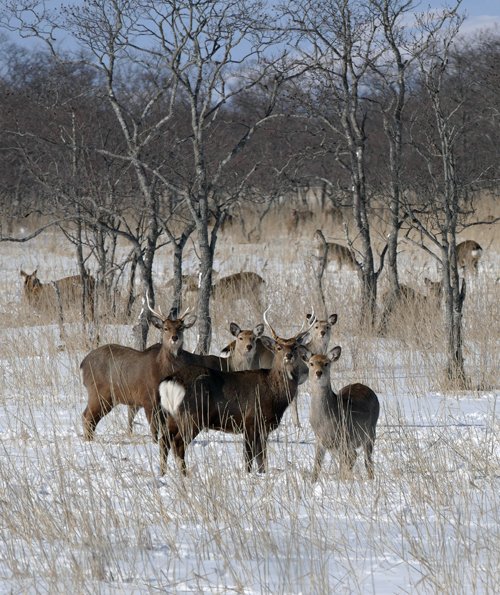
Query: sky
{"type": "Point", "coordinates": [481, 14]}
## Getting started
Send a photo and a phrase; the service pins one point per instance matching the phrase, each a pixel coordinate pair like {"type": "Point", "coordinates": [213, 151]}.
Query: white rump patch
{"type": "Point", "coordinates": [171, 393]}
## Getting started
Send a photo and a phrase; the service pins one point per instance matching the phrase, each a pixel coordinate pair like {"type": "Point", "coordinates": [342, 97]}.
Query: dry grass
{"type": "Point", "coordinates": [95, 517]}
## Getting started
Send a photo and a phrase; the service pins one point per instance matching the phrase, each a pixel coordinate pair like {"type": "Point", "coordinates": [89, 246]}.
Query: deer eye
{"type": "Point", "coordinates": [278, 348]}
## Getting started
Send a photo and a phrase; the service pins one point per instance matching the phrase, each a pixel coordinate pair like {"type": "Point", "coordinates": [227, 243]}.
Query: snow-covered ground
{"type": "Point", "coordinates": [79, 517]}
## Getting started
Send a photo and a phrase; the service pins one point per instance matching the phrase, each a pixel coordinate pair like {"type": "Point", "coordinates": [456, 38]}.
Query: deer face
{"type": "Point", "coordinates": [32, 285]}
{"type": "Point", "coordinates": [319, 366]}
{"type": "Point", "coordinates": [173, 330]}
{"type": "Point", "coordinates": [246, 341]}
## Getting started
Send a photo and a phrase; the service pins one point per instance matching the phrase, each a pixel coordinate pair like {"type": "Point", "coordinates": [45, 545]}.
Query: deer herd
{"type": "Point", "coordinates": [246, 390]}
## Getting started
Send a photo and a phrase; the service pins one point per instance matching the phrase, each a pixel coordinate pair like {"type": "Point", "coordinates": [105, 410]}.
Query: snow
{"type": "Point", "coordinates": [80, 517]}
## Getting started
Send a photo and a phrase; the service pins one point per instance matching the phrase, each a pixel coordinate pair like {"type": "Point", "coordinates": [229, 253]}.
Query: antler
{"type": "Point", "coordinates": [268, 324]}
{"type": "Point", "coordinates": [312, 320]}
{"type": "Point", "coordinates": [158, 314]}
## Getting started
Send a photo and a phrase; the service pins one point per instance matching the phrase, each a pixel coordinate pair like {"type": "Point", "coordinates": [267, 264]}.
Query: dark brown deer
{"type": "Point", "coordinates": [251, 402]}
{"type": "Point", "coordinates": [115, 374]}
{"type": "Point", "coordinates": [44, 296]}
{"type": "Point", "coordinates": [341, 422]}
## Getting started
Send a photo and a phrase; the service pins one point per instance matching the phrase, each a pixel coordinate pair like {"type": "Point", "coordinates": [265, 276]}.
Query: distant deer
{"type": "Point", "coordinates": [469, 253]}
{"type": "Point", "coordinates": [251, 402]}
{"type": "Point", "coordinates": [342, 422]}
{"type": "Point", "coordinates": [434, 289]}
{"type": "Point", "coordinates": [45, 295]}
{"type": "Point", "coordinates": [335, 253]}
{"type": "Point", "coordinates": [244, 283]}
{"type": "Point", "coordinates": [296, 219]}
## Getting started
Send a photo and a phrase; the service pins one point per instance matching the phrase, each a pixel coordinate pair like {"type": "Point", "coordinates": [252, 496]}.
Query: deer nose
{"type": "Point", "coordinates": [319, 373]}
{"type": "Point", "coordinates": [249, 347]}
{"type": "Point", "coordinates": [175, 338]}
{"type": "Point", "coordinates": [323, 333]}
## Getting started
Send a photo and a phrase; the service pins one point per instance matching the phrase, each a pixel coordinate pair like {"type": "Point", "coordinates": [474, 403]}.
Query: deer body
{"type": "Point", "coordinates": [251, 402]}
{"type": "Point", "coordinates": [341, 422]}
{"type": "Point", "coordinates": [335, 253]}
{"type": "Point", "coordinates": [44, 295]}
{"type": "Point", "coordinates": [468, 255]}
{"type": "Point", "coordinates": [115, 374]}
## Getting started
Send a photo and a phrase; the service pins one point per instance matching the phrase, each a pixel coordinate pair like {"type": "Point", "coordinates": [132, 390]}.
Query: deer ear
{"type": "Point", "coordinates": [304, 339]}
{"type": "Point", "coordinates": [23, 274]}
{"type": "Point", "coordinates": [305, 354]}
{"type": "Point", "coordinates": [332, 319]}
{"type": "Point", "coordinates": [234, 329]}
{"type": "Point", "coordinates": [258, 330]}
{"type": "Point", "coordinates": [157, 322]}
{"type": "Point", "coordinates": [226, 352]}
{"type": "Point", "coordinates": [267, 342]}
{"type": "Point", "coordinates": [189, 320]}
{"type": "Point", "coordinates": [334, 353]}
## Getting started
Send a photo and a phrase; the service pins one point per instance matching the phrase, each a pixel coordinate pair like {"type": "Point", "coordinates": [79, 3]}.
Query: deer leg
{"type": "Point", "coordinates": [368, 458]}
{"type": "Point", "coordinates": [261, 453]}
{"type": "Point", "coordinates": [181, 441]}
{"type": "Point", "coordinates": [169, 429]}
{"type": "Point", "coordinates": [152, 415]}
{"type": "Point", "coordinates": [347, 460]}
{"type": "Point", "coordinates": [318, 460]}
{"type": "Point", "coordinates": [96, 409]}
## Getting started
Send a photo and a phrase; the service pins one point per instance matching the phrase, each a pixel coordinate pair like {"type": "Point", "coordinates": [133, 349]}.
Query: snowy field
{"type": "Point", "coordinates": [97, 517]}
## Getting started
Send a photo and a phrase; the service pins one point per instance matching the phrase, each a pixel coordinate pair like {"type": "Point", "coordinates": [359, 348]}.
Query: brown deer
{"type": "Point", "coordinates": [243, 283]}
{"type": "Point", "coordinates": [341, 422]}
{"type": "Point", "coordinates": [115, 374]}
{"type": "Point", "coordinates": [296, 219]}
{"type": "Point", "coordinates": [242, 357]}
{"type": "Point", "coordinates": [45, 295]}
{"type": "Point", "coordinates": [251, 402]}
{"type": "Point", "coordinates": [335, 253]}
{"type": "Point", "coordinates": [320, 333]}
{"type": "Point", "coordinates": [469, 253]}
{"type": "Point", "coordinates": [434, 289]}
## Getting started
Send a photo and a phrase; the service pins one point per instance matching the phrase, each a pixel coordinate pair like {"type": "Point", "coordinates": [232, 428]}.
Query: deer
{"type": "Point", "coordinates": [341, 422]}
{"type": "Point", "coordinates": [251, 402]}
{"type": "Point", "coordinates": [319, 339]}
{"type": "Point", "coordinates": [44, 295]}
{"type": "Point", "coordinates": [335, 253]}
{"type": "Point", "coordinates": [469, 253]}
{"type": "Point", "coordinates": [245, 283]}
{"type": "Point", "coordinates": [115, 374]}
{"type": "Point", "coordinates": [297, 218]}
{"type": "Point", "coordinates": [434, 289]}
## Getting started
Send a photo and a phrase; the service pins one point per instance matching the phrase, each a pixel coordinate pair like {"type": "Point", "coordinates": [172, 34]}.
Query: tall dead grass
{"type": "Point", "coordinates": [96, 517]}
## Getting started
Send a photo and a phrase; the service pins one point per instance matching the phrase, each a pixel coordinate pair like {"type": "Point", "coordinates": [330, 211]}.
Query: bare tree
{"type": "Point", "coordinates": [337, 40]}
{"type": "Point", "coordinates": [438, 143]}
{"type": "Point", "coordinates": [401, 44]}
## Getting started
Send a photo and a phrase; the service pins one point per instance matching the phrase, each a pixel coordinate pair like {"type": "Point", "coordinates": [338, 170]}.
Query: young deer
{"type": "Point", "coordinates": [114, 374]}
{"type": "Point", "coordinates": [342, 422]}
{"type": "Point", "coordinates": [319, 338]}
{"type": "Point", "coordinates": [251, 402]}
{"type": "Point", "coordinates": [261, 358]}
